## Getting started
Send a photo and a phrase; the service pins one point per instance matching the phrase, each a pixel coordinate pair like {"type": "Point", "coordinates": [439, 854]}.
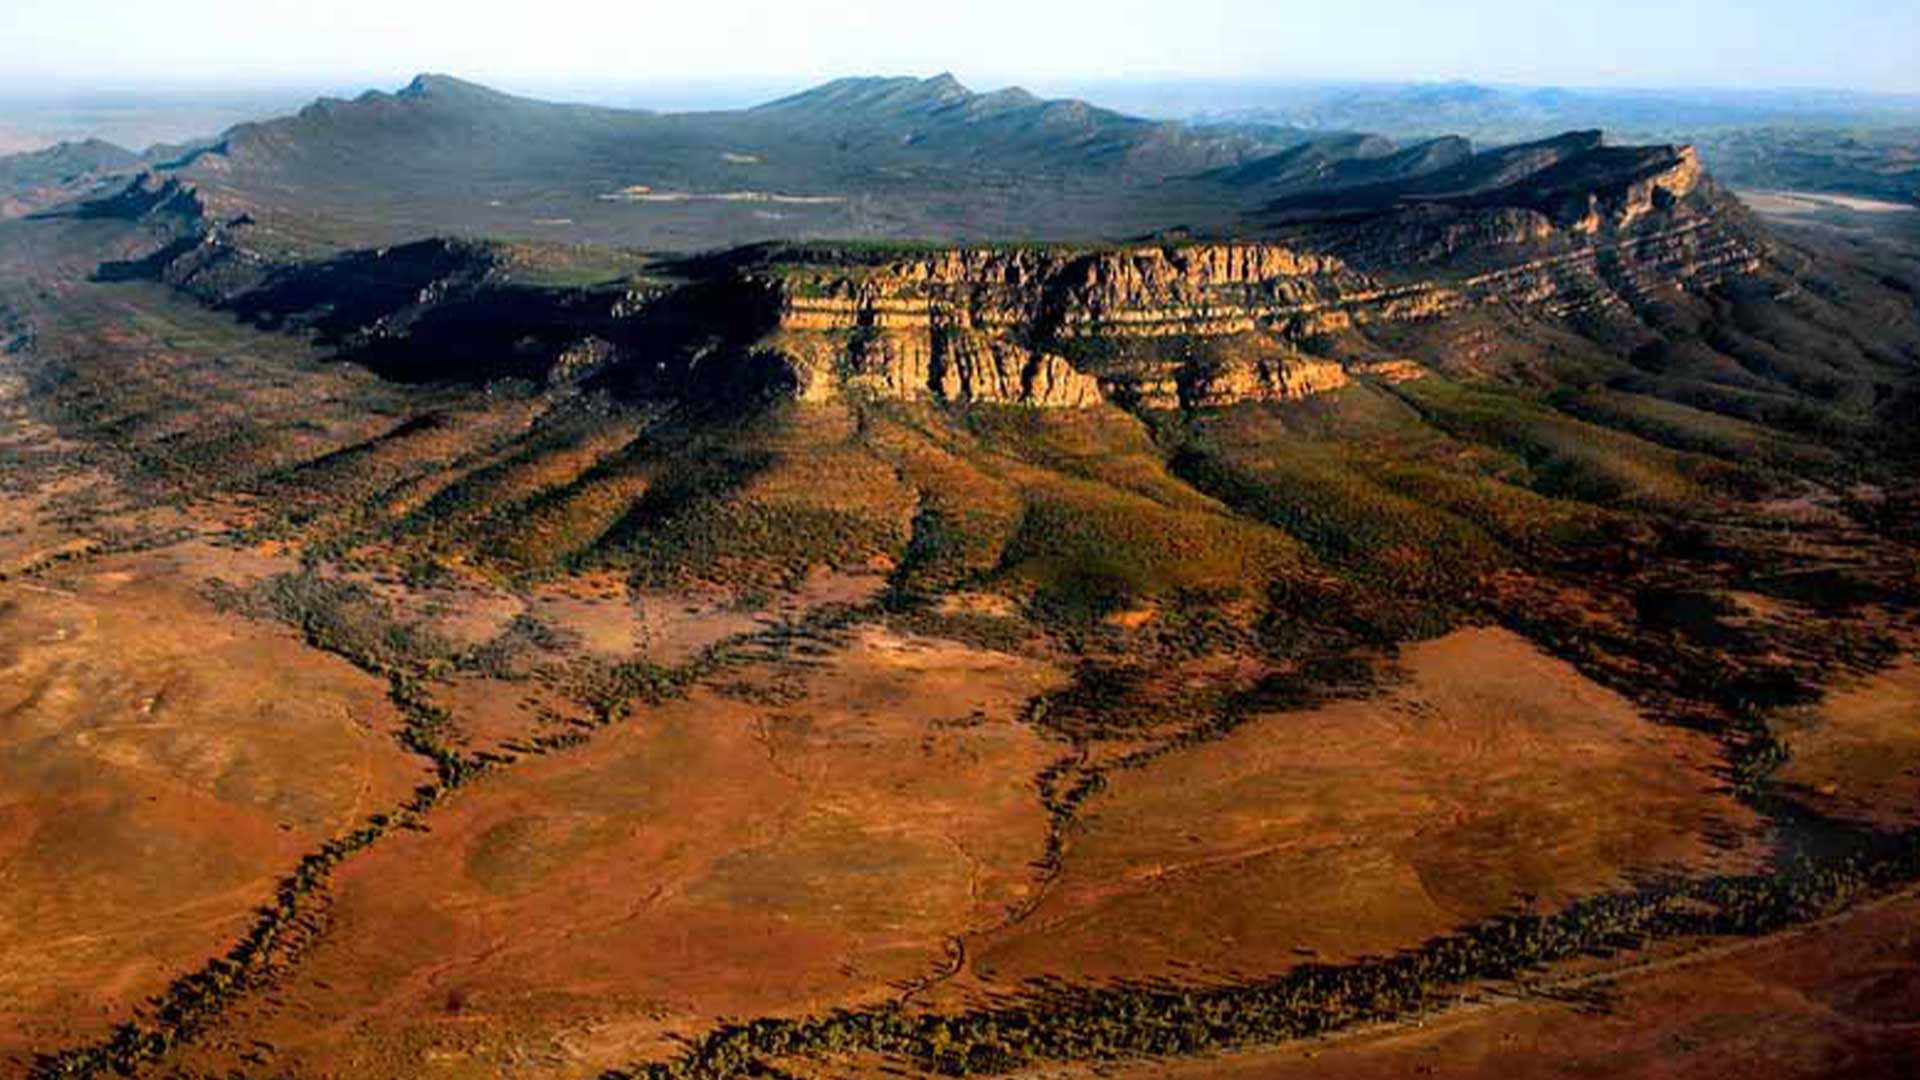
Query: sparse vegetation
{"type": "Point", "coordinates": [543, 494]}
{"type": "Point", "coordinates": [1313, 999]}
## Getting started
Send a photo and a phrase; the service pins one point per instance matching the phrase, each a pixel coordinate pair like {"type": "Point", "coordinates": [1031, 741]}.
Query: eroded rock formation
{"type": "Point", "coordinates": [1563, 229]}
{"type": "Point", "coordinates": [1205, 325]}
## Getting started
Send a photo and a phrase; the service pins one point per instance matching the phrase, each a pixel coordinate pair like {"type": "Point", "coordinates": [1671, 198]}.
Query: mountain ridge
{"type": "Point", "coordinates": [876, 158]}
{"type": "Point", "coordinates": [37, 179]}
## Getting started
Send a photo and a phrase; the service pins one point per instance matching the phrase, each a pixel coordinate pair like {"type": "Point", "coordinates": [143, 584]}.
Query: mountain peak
{"type": "Point", "coordinates": [945, 84]}
{"type": "Point", "coordinates": [879, 93]}
{"type": "Point", "coordinates": [1010, 97]}
{"type": "Point", "coordinates": [1588, 139]}
{"type": "Point", "coordinates": [437, 86]}
{"type": "Point", "coordinates": [88, 153]}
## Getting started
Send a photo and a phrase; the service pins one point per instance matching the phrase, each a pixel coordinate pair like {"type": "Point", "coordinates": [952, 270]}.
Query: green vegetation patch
{"type": "Point", "coordinates": [788, 493]}
{"type": "Point", "coordinates": [1570, 457]}
{"type": "Point", "coordinates": [1090, 550]}
{"type": "Point", "coordinates": [1684, 427]}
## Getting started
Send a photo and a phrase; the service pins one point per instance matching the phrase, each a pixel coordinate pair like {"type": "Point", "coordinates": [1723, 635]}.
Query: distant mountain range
{"type": "Point", "coordinates": [1512, 114]}
{"type": "Point", "coordinates": [1860, 144]}
{"type": "Point", "coordinates": [859, 158]}
{"type": "Point", "coordinates": [888, 158]}
{"type": "Point", "coordinates": [854, 158]}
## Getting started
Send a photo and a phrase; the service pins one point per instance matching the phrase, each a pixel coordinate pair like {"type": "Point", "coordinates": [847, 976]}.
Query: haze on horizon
{"type": "Point", "coordinates": [65, 46]}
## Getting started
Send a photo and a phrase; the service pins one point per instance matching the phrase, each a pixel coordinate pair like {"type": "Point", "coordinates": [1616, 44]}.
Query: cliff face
{"type": "Point", "coordinates": [1616, 187]}
{"type": "Point", "coordinates": [1028, 326]}
{"type": "Point", "coordinates": [962, 365]}
{"type": "Point", "coordinates": [1205, 325]}
{"type": "Point", "coordinates": [1591, 232]}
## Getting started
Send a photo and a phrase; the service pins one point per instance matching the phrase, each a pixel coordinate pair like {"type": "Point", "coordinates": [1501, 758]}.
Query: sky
{"type": "Point", "coordinates": [549, 45]}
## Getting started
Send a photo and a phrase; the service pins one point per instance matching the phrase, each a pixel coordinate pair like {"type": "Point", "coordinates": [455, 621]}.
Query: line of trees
{"type": "Point", "coordinates": [1157, 1020]}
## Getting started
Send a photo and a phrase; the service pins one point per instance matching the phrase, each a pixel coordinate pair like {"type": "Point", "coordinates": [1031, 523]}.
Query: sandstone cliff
{"type": "Point", "coordinates": [1212, 324]}
{"type": "Point", "coordinates": [1591, 232]}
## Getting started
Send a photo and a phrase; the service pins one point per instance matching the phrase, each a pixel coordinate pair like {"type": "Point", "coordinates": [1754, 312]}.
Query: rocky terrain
{"type": "Point", "coordinates": [1557, 228]}
{"type": "Point", "coordinates": [939, 631]}
{"type": "Point", "coordinates": [42, 178]}
{"type": "Point", "coordinates": [1858, 144]}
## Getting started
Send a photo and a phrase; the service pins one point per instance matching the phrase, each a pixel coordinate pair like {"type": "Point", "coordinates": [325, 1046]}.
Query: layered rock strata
{"type": "Point", "coordinates": [1172, 325]}
{"type": "Point", "coordinates": [1201, 325]}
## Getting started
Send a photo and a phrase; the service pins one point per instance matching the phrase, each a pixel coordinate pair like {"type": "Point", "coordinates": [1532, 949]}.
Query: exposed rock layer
{"type": "Point", "coordinates": [1194, 324]}
{"type": "Point", "coordinates": [1205, 325]}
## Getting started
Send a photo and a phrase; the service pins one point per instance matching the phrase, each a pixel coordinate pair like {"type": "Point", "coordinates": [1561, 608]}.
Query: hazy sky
{"type": "Point", "coordinates": [1863, 44]}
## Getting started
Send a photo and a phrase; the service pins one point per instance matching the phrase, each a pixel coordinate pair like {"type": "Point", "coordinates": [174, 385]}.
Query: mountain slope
{"type": "Point", "coordinates": [1346, 160]}
{"type": "Point", "coordinates": [856, 159]}
{"type": "Point", "coordinates": [938, 119]}
{"type": "Point", "coordinates": [880, 158]}
{"type": "Point", "coordinates": [43, 178]}
{"type": "Point", "coordinates": [1861, 144]}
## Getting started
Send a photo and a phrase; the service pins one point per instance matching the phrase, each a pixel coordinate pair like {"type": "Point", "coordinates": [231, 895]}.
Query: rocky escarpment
{"type": "Point", "coordinates": [1204, 325]}
{"type": "Point", "coordinates": [1614, 187]}
{"type": "Point", "coordinates": [1589, 231]}
{"type": "Point", "coordinates": [1061, 328]}
{"type": "Point", "coordinates": [1192, 326]}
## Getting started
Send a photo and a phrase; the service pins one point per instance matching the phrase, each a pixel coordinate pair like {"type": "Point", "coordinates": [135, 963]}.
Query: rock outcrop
{"type": "Point", "coordinates": [1615, 187]}
{"type": "Point", "coordinates": [1025, 326]}
{"type": "Point", "coordinates": [1562, 229]}
{"type": "Point", "coordinates": [1204, 325]}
